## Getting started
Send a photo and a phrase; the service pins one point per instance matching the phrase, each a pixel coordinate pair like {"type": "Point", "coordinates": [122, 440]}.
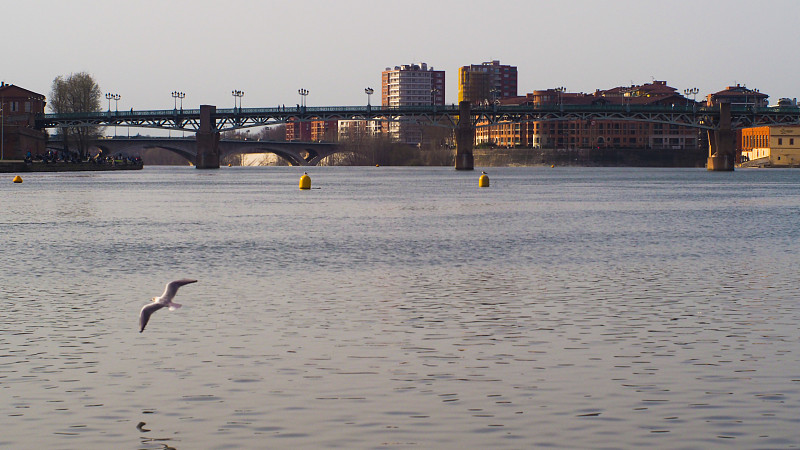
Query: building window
{"type": "Point", "coordinates": [780, 141]}
{"type": "Point", "coordinates": [791, 141]}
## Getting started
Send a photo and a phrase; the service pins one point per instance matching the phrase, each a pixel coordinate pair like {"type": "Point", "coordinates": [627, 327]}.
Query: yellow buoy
{"type": "Point", "coordinates": [552, 165]}
{"type": "Point", "coordinates": [17, 179]}
{"type": "Point", "coordinates": [483, 181]}
{"type": "Point", "coordinates": [305, 181]}
{"type": "Point", "coordinates": [229, 165]}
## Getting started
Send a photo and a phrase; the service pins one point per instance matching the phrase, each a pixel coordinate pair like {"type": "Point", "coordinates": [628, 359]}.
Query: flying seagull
{"type": "Point", "coordinates": [160, 302]}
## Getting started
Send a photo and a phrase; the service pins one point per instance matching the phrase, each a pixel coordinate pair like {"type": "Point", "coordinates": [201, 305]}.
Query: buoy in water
{"type": "Point", "coordinates": [552, 165]}
{"type": "Point", "coordinates": [305, 181]}
{"type": "Point", "coordinates": [17, 179]}
{"type": "Point", "coordinates": [483, 181]}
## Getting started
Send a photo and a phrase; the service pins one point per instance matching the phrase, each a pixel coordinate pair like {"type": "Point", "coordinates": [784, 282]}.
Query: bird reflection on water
{"type": "Point", "coordinates": [146, 440]}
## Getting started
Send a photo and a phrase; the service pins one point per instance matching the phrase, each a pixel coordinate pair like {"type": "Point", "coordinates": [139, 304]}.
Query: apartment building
{"type": "Point", "coordinates": [411, 85]}
{"type": "Point", "coordinates": [487, 82]}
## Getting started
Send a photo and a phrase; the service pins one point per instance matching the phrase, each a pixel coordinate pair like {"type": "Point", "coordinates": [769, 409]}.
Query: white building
{"type": "Point", "coordinates": [411, 85]}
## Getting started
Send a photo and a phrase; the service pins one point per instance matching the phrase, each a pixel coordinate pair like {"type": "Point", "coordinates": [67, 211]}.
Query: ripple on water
{"type": "Point", "coordinates": [573, 309]}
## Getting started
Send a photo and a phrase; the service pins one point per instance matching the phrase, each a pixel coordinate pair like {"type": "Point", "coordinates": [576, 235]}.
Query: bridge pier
{"type": "Point", "coordinates": [465, 138]}
{"type": "Point", "coordinates": [722, 143]}
{"type": "Point", "coordinates": [207, 139]}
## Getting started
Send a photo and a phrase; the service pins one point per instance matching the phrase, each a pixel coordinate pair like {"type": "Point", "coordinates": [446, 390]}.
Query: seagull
{"type": "Point", "coordinates": [160, 302]}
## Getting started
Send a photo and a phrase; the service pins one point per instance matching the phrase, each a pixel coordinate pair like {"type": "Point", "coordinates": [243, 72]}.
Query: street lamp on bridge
{"type": "Point", "coordinates": [303, 93]}
{"type": "Point", "coordinates": [560, 91]}
{"type": "Point", "coordinates": [369, 91]}
{"type": "Point", "coordinates": [115, 97]}
{"type": "Point", "coordinates": [693, 92]}
{"type": "Point", "coordinates": [237, 94]}
{"type": "Point", "coordinates": [495, 97]}
{"type": "Point", "coordinates": [178, 95]}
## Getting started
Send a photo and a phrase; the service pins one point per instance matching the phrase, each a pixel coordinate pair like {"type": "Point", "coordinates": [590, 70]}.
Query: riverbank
{"type": "Point", "coordinates": [15, 166]}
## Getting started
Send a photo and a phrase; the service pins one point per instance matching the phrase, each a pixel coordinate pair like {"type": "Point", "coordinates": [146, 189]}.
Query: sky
{"type": "Point", "coordinates": [144, 50]}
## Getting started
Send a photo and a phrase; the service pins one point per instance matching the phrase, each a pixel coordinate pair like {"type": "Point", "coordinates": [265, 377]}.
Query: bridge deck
{"type": "Point", "coordinates": [701, 117]}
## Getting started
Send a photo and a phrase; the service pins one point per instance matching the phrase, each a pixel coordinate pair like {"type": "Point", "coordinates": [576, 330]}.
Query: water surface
{"type": "Point", "coordinates": [402, 308]}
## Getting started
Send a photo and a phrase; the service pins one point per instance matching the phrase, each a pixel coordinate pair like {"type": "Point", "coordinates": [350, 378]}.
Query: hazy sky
{"type": "Point", "coordinates": [145, 49]}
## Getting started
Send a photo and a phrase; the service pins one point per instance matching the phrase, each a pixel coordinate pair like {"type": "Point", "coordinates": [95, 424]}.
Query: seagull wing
{"type": "Point", "coordinates": [146, 312]}
{"type": "Point", "coordinates": [172, 288]}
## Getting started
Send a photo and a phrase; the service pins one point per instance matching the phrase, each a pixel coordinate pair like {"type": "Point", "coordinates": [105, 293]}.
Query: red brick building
{"type": "Point", "coordinates": [311, 131]}
{"type": "Point", "coordinates": [18, 111]}
{"type": "Point", "coordinates": [575, 134]}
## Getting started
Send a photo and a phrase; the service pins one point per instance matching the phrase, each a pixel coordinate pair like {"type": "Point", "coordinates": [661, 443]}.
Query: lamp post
{"type": "Point", "coordinates": [693, 92]}
{"type": "Point", "coordinates": [115, 97]}
{"type": "Point", "coordinates": [495, 96]}
{"type": "Point", "coordinates": [237, 94]}
{"type": "Point", "coordinates": [178, 95]}
{"type": "Point", "coordinates": [369, 91]}
{"type": "Point", "coordinates": [560, 91]}
{"type": "Point", "coordinates": [2, 131]}
{"type": "Point", "coordinates": [303, 93]}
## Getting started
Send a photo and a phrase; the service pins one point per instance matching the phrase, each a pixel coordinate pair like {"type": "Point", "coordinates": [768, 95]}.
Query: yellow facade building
{"type": "Point", "coordinates": [776, 146]}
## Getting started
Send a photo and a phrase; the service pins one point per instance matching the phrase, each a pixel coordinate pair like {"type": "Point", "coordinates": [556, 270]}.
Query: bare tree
{"type": "Point", "coordinates": [77, 92]}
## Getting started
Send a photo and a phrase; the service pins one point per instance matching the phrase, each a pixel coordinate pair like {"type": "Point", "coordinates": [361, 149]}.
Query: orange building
{"type": "Point", "coordinates": [311, 131]}
{"type": "Point", "coordinates": [775, 146]}
{"type": "Point", "coordinates": [298, 131]}
{"type": "Point", "coordinates": [486, 82]}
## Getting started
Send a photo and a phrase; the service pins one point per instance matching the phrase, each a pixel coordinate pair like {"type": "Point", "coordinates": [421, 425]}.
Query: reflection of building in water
{"type": "Point", "coordinates": [18, 108]}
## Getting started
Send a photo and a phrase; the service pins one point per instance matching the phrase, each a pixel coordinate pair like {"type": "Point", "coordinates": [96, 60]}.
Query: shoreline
{"type": "Point", "coordinates": [13, 166]}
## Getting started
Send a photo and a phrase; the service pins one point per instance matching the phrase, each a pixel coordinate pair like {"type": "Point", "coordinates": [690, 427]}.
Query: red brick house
{"type": "Point", "coordinates": [18, 110]}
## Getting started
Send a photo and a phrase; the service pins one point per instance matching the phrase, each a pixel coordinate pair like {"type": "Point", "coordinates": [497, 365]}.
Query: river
{"type": "Point", "coordinates": [401, 308]}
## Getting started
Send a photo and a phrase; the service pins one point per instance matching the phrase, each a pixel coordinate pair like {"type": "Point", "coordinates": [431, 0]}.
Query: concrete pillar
{"type": "Point", "coordinates": [722, 142]}
{"type": "Point", "coordinates": [207, 139]}
{"type": "Point", "coordinates": [465, 138]}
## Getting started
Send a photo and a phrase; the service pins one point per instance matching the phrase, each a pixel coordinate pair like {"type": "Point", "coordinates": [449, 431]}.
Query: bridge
{"type": "Point", "coordinates": [208, 122]}
{"type": "Point", "coordinates": [296, 153]}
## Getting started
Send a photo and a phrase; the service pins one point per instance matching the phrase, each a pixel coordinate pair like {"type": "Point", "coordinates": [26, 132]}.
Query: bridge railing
{"type": "Point", "coordinates": [442, 109]}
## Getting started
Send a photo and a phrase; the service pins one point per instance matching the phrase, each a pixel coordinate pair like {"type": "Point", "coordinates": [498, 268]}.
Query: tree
{"type": "Point", "coordinates": [78, 92]}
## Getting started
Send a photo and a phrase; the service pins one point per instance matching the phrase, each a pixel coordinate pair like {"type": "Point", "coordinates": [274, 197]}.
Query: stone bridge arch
{"type": "Point", "coordinates": [295, 153]}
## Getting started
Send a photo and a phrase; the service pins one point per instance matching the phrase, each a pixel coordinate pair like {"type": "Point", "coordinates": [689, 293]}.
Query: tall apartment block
{"type": "Point", "coordinates": [488, 81]}
{"type": "Point", "coordinates": [411, 85]}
